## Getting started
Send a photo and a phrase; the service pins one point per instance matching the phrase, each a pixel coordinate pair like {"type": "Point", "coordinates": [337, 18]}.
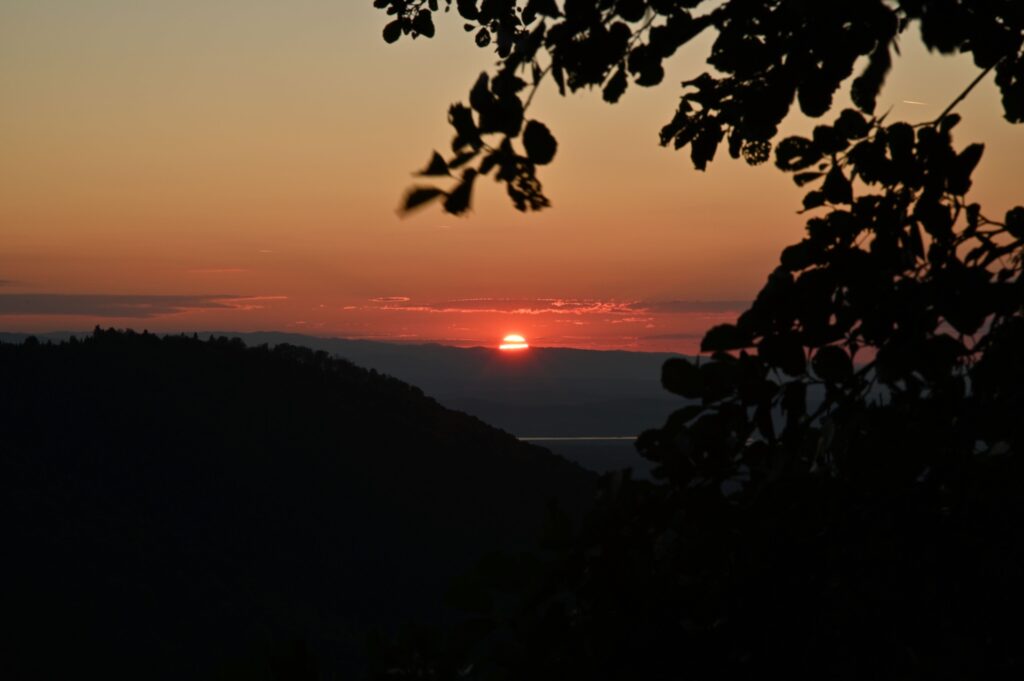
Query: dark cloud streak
{"type": "Point", "coordinates": [674, 336]}
{"type": "Point", "coordinates": [708, 306]}
{"type": "Point", "coordinates": [561, 306]}
{"type": "Point", "coordinates": [103, 305]}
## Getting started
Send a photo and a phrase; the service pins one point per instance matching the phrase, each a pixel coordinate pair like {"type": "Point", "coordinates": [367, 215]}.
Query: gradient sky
{"type": "Point", "coordinates": [237, 165]}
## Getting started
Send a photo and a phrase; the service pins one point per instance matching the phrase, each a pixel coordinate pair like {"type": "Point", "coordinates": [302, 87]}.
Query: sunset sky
{"type": "Point", "coordinates": [237, 165]}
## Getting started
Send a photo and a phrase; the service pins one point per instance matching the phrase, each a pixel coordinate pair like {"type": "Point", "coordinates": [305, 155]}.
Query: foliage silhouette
{"type": "Point", "coordinates": [174, 506]}
{"type": "Point", "coordinates": [841, 496]}
{"type": "Point", "coordinates": [767, 56]}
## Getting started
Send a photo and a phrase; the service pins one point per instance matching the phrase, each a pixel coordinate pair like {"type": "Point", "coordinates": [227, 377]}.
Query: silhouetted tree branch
{"type": "Point", "coordinates": [839, 491]}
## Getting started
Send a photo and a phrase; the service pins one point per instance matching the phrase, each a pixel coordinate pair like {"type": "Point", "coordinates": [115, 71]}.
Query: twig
{"type": "Point", "coordinates": [536, 85]}
{"type": "Point", "coordinates": [967, 91]}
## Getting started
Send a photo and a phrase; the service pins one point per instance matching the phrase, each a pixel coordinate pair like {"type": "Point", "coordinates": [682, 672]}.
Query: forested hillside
{"type": "Point", "coordinates": [177, 508]}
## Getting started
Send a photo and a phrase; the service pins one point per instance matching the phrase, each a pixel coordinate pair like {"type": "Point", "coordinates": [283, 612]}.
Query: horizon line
{"type": "Point", "coordinates": [374, 339]}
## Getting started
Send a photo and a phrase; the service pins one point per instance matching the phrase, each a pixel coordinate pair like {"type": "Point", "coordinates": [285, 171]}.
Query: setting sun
{"type": "Point", "coordinates": [513, 341]}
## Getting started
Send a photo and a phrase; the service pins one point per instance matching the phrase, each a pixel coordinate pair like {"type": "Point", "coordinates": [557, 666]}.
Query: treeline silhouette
{"type": "Point", "coordinates": [177, 508]}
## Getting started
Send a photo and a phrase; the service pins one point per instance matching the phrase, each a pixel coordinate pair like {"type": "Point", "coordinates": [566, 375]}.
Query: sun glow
{"type": "Point", "coordinates": [513, 341]}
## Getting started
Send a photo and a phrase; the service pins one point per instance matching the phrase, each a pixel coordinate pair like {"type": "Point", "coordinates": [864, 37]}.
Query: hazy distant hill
{"type": "Point", "coordinates": [539, 392]}
{"type": "Point", "coordinates": [175, 506]}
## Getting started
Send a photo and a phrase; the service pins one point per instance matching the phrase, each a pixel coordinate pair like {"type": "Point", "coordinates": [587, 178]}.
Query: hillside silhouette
{"type": "Point", "coordinates": [178, 508]}
{"type": "Point", "coordinates": [544, 391]}
{"type": "Point", "coordinates": [565, 392]}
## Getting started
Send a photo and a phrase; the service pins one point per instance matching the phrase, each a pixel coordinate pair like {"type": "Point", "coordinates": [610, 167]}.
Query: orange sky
{"type": "Point", "coordinates": [237, 165]}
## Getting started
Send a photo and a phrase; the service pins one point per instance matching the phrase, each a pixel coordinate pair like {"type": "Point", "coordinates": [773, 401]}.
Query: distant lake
{"type": "Point", "coordinates": [601, 454]}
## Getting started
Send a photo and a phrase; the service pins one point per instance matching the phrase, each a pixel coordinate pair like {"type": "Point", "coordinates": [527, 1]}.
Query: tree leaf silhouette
{"type": "Point", "coordinates": [436, 168]}
{"type": "Point", "coordinates": [832, 364]}
{"type": "Point", "coordinates": [458, 200]}
{"type": "Point", "coordinates": [682, 378]}
{"type": "Point", "coordinates": [837, 188]}
{"type": "Point", "coordinates": [615, 87]}
{"type": "Point", "coordinates": [424, 24]}
{"type": "Point", "coordinates": [539, 142]}
{"type": "Point", "coordinates": [724, 337]}
{"type": "Point", "coordinates": [393, 31]}
{"type": "Point", "coordinates": [419, 196]}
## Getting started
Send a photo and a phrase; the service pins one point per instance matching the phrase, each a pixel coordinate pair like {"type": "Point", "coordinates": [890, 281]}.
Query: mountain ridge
{"type": "Point", "coordinates": [559, 392]}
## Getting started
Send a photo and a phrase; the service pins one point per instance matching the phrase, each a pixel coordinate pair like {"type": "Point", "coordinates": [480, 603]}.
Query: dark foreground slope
{"type": "Point", "coordinates": [174, 508]}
